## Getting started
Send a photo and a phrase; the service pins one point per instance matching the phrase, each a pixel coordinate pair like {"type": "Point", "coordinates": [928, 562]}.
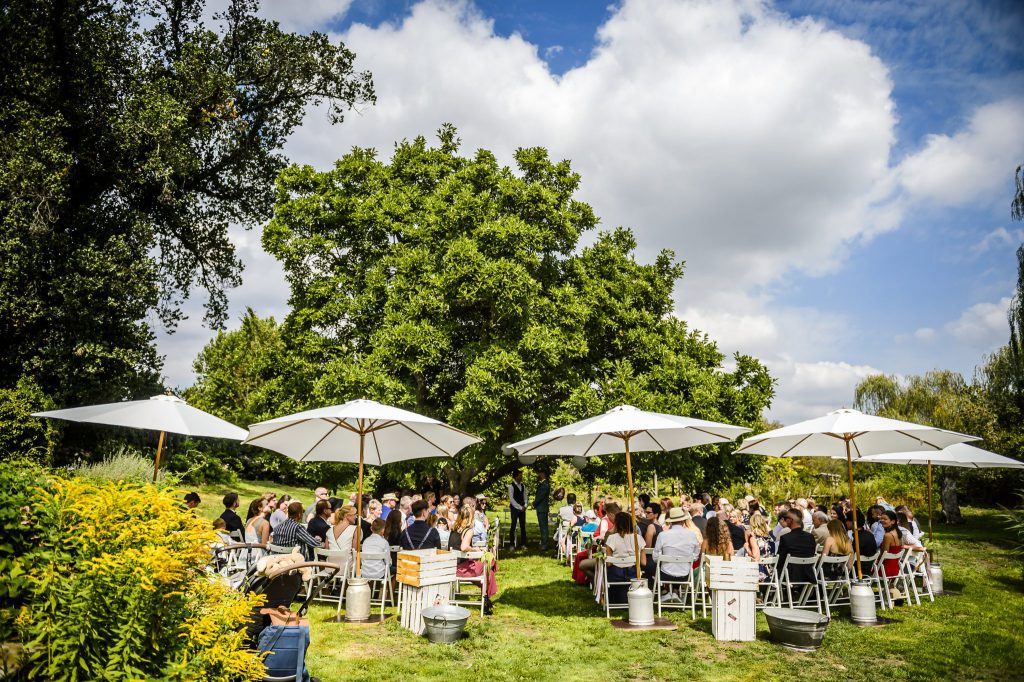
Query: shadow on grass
{"type": "Point", "coordinates": [1014, 583]}
{"type": "Point", "coordinates": [556, 598]}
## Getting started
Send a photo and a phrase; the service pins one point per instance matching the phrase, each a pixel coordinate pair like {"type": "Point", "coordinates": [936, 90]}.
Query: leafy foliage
{"type": "Point", "coordinates": [457, 288]}
{"type": "Point", "coordinates": [131, 136]}
{"type": "Point", "coordinates": [107, 580]}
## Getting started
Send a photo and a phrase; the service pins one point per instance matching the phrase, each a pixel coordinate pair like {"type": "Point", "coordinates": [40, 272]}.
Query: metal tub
{"type": "Point", "coordinates": [796, 629]}
{"type": "Point", "coordinates": [444, 624]}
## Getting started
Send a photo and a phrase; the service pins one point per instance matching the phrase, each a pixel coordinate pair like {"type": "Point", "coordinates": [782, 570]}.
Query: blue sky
{"type": "Point", "coordinates": [837, 174]}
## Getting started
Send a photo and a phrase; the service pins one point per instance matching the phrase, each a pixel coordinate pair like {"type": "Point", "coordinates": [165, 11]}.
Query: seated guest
{"type": "Point", "coordinates": [737, 534]}
{"type": "Point", "coordinates": [192, 500]}
{"type": "Point", "coordinates": [666, 504]}
{"type": "Point", "coordinates": [749, 547]}
{"type": "Point", "coordinates": [280, 513]}
{"type": "Point", "coordinates": [717, 541]}
{"type": "Point", "coordinates": [820, 530]}
{"type": "Point", "coordinates": [292, 533]}
{"type": "Point", "coordinates": [875, 513]}
{"type": "Point", "coordinates": [461, 540]}
{"type": "Point", "coordinates": [590, 522]}
{"type": "Point", "coordinates": [868, 548]}
{"type": "Point", "coordinates": [376, 544]}
{"type": "Point", "coordinates": [744, 509]}
{"type": "Point", "coordinates": [257, 528]}
{"type": "Point", "coordinates": [796, 543]}
{"type": "Point", "coordinates": [676, 541]}
{"type": "Point", "coordinates": [223, 539]}
{"type": "Point", "coordinates": [911, 540]}
{"type": "Point", "coordinates": [565, 512]}
{"type": "Point", "coordinates": [343, 531]}
{"type": "Point", "coordinates": [914, 527]}
{"type": "Point", "coordinates": [780, 529]}
{"type": "Point", "coordinates": [604, 527]}
{"type": "Point", "coordinates": [441, 526]}
{"type": "Point", "coordinates": [622, 544]}
{"type": "Point", "coordinates": [880, 501]}
{"type": "Point", "coordinates": [388, 503]}
{"type": "Point", "coordinates": [697, 516]}
{"type": "Point", "coordinates": [232, 522]}
{"type": "Point", "coordinates": [648, 526]}
{"type": "Point", "coordinates": [419, 534]}
{"type": "Point", "coordinates": [836, 544]}
{"type": "Point", "coordinates": [318, 526]}
{"type": "Point", "coordinates": [892, 542]}
{"type": "Point", "coordinates": [577, 512]}
{"type": "Point", "coordinates": [762, 534]}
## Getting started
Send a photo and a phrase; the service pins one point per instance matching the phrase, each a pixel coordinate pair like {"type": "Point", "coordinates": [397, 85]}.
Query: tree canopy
{"type": "Point", "coordinates": [458, 288]}
{"type": "Point", "coordinates": [132, 134]}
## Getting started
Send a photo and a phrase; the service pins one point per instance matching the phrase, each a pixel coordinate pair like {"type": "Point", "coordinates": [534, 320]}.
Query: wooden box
{"type": "Point", "coordinates": [733, 599]}
{"type": "Point", "coordinates": [422, 567]}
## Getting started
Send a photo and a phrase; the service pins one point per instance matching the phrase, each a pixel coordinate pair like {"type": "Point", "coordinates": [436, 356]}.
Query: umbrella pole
{"type": "Point", "coordinates": [629, 478]}
{"type": "Point", "coordinates": [359, 504]}
{"type": "Point", "coordinates": [929, 500]}
{"type": "Point", "coordinates": [853, 509]}
{"type": "Point", "coordinates": [159, 448]}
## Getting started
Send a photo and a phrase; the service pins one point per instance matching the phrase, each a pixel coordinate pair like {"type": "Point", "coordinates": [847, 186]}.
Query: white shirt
{"type": "Point", "coordinates": [512, 499]}
{"type": "Point", "coordinates": [622, 547]}
{"type": "Point", "coordinates": [377, 545]}
{"type": "Point", "coordinates": [677, 540]}
{"type": "Point", "coordinates": [808, 520]}
{"type": "Point", "coordinates": [565, 513]}
{"type": "Point", "coordinates": [342, 542]}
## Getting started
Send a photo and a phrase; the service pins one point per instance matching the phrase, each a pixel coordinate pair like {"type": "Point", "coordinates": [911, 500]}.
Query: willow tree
{"type": "Point", "coordinates": [458, 288]}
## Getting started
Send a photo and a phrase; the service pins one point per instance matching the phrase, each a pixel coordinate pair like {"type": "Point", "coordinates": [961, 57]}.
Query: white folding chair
{"type": "Point", "coordinates": [237, 536]}
{"type": "Point", "coordinates": [835, 590]}
{"type": "Point", "coordinates": [384, 583]}
{"type": "Point", "coordinates": [280, 549]}
{"type": "Point", "coordinates": [338, 557]}
{"type": "Point", "coordinates": [805, 589]}
{"type": "Point", "coordinates": [459, 595]}
{"type": "Point", "coordinates": [891, 583]}
{"type": "Point", "coordinates": [625, 562]}
{"type": "Point", "coordinates": [564, 529]}
{"type": "Point", "coordinates": [769, 591]}
{"type": "Point", "coordinates": [872, 576]}
{"type": "Point", "coordinates": [920, 571]}
{"type": "Point", "coordinates": [687, 588]}
{"type": "Point", "coordinates": [496, 528]}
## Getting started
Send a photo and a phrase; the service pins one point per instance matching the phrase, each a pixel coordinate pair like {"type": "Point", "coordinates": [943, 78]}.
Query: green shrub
{"type": "Point", "coordinates": [126, 464]}
{"type": "Point", "coordinates": [1014, 520]}
{"type": "Point", "coordinates": [106, 580]}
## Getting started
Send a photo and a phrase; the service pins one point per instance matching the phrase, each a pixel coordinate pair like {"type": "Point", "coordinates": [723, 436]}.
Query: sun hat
{"type": "Point", "coordinates": [388, 497]}
{"type": "Point", "coordinates": [677, 515]}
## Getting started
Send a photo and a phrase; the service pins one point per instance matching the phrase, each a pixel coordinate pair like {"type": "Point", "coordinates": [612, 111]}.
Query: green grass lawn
{"type": "Point", "coordinates": [547, 628]}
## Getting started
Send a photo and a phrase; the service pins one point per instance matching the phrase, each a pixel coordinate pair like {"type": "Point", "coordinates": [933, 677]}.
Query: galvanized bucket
{"type": "Point", "coordinates": [796, 629]}
{"type": "Point", "coordinates": [444, 624]}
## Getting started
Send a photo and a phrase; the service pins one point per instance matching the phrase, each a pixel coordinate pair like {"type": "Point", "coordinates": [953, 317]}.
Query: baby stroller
{"type": "Point", "coordinates": [276, 629]}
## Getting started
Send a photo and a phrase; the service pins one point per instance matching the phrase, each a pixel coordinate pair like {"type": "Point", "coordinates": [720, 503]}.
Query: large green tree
{"type": "Point", "coordinates": [458, 288]}
{"type": "Point", "coordinates": [132, 134]}
{"type": "Point", "coordinates": [941, 398]}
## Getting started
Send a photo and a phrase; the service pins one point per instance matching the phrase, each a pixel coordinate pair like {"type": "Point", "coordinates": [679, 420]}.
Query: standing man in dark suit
{"type": "Point", "coordinates": [796, 543]}
{"type": "Point", "coordinates": [517, 508]}
{"type": "Point", "coordinates": [231, 520]}
{"type": "Point", "coordinates": [541, 502]}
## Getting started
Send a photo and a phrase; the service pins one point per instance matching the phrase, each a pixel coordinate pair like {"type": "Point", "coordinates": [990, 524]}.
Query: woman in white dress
{"type": "Point", "coordinates": [257, 529]}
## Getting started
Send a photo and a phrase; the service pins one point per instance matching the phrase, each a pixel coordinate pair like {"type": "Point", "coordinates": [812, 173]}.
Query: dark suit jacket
{"type": "Point", "coordinates": [232, 521]}
{"type": "Point", "coordinates": [797, 543]}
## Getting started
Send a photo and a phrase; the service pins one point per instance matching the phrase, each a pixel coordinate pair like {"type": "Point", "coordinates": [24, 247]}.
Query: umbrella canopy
{"type": "Point", "coordinates": [359, 431]}
{"type": "Point", "coordinates": [646, 431]}
{"type": "Point", "coordinates": [850, 435]}
{"type": "Point", "coordinates": [958, 455]}
{"type": "Point", "coordinates": [627, 429]}
{"type": "Point", "coordinates": [163, 413]}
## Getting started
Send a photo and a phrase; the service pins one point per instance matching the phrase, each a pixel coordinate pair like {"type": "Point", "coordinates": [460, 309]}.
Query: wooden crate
{"type": "Point", "coordinates": [733, 599]}
{"type": "Point", "coordinates": [423, 567]}
{"type": "Point", "coordinates": [412, 601]}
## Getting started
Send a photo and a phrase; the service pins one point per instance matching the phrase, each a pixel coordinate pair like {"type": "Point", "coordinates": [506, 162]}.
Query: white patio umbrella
{"type": "Point", "coordinates": [958, 455]}
{"type": "Point", "coordinates": [850, 435]}
{"type": "Point", "coordinates": [359, 431]}
{"type": "Point", "coordinates": [627, 429]}
{"type": "Point", "coordinates": [163, 413]}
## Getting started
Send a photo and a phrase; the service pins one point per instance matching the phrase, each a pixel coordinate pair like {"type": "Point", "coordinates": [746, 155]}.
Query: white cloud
{"type": "Point", "coordinates": [983, 325]}
{"type": "Point", "coordinates": [999, 238]}
{"type": "Point", "coordinates": [956, 169]}
{"type": "Point", "coordinates": [925, 334]}
{"type": "Point", "coordinates": [811, 389]}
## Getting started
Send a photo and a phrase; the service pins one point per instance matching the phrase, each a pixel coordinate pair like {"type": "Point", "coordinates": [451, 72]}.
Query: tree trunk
{"type": "Point", "coordinates": [950, 504]}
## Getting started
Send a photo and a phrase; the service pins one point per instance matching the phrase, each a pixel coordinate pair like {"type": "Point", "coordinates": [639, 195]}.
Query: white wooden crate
{"type": "Point", "coordinates": [734, 591]}
{"type": "Point", "coordinates": [422, 567]}
{"type": "Point", "coordinates": [412, 601]}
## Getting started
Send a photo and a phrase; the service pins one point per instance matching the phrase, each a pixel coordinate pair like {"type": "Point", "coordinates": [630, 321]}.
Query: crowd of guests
{"type": "Point", "coordinates": [706, 525]}
{"type": "Point", "coordinates": [418, 521]}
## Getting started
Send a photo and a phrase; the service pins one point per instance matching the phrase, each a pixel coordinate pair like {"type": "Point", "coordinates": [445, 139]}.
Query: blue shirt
{"type": "Point", "coordinates": [384, 511]}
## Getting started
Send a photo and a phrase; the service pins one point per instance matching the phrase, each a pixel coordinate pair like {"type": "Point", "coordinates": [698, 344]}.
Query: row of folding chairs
{"type": "Point", "coordinates": [834, 581]}
{"type": "Point", "coordinates": [831, 587]}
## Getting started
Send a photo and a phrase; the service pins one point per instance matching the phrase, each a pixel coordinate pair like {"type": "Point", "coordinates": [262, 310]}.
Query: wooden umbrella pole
{"type": "Point", "coordinates": [629, 479]}
{"type": "Point", "coordinates": [929, 500]}
{"type": "Point", "coordinates": [853, 509]}
{"type": "Point", "coordinates": [159, 448]}
{"type": "Point", "coordinates": [359, 501]}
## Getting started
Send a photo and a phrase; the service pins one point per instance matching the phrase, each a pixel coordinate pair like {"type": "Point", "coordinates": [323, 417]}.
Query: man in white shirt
{"type": "Point", "coordinates": [517, 501]}
{"type": "Point", "coordinates": [376, 544]}
{"type": "Point", "coordinates": [820, 530]}
{"type": "Point", "coordinates": [676, 541]}
{"type": "Point", "coordinates": [808, 519]}
{"type": "Point", "coordinates": [566, 516]}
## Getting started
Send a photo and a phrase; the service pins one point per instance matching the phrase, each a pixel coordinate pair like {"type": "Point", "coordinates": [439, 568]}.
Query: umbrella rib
{"type": "Point", "coordinates": [317, 444]}
{"type": "Point", "coordinates": [795, 445]}
{"type": "Point", "coordinates": [855, 447]}
{"type": "Point", "coordinates": [273, 431]}
{"type": "Point", "coordinates": [592, 443]}
{"type": "Point", "coordinates": [918, 439]}
{"type": "Point", "coordinates": [710, 433]}
{"type": "Point", "coordinates": [376, 447]}
{"type": "Point", "coordinates": [542, 444]}
{"type": "Point", "coordinates": [656, 440]}
{"type": "Point", "coordinates": [417, 433]}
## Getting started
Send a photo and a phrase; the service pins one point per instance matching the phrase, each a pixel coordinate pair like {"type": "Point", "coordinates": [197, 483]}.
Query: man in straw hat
{"type": "Point", "coordinates": [676, 540]}
{"type": "Point", "coordinates": [388, 502]}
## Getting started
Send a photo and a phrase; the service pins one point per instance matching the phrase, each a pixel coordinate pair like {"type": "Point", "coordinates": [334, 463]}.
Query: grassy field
{"type": "Point", "coordinates": [547, 628]}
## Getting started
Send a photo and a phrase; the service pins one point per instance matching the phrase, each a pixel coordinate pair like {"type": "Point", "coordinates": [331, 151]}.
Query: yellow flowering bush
{"type": "Point", "coordinates": [116, 587]}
